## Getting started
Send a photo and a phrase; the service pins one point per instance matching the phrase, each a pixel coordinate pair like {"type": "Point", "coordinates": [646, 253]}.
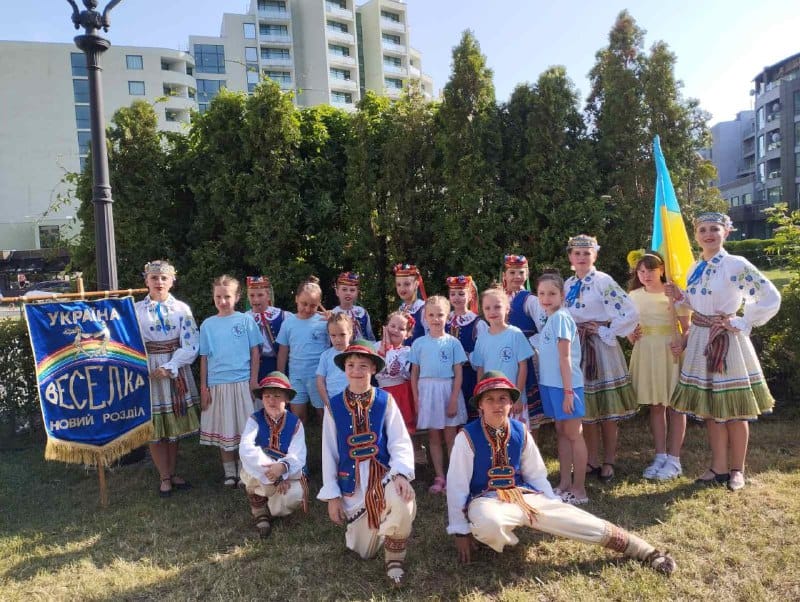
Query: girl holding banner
{"type": "Point", "coordinates": [171, 337]}
{"type": "Point", "coordinates": [721, 380]}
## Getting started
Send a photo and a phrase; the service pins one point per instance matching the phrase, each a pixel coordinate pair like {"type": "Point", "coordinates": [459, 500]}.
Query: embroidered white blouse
{"type": "Point", "coordinates": [601, 299]}
{"type": "Point", "coordinates": [169, 320]}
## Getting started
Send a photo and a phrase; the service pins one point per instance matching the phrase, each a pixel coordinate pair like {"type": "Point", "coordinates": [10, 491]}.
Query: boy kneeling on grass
{"type": "Point", "coordinates": [497, 481]}
{"type": "Point", "coordinates": [368, 463]}
{"type": "Point", "coordinates": [273, 455]}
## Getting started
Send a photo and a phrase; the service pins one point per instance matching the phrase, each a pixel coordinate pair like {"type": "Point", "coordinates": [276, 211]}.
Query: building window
{"type": "Point", "coordinates": [189, 70]}
{"type": "Point", "coordinates": [340, 4]}
{"type": "Point", "coordinates": [762, 172]}
{"type": "Point", "coordinates": [747, 198]}
{"type": "Point", "coordinates": [252, 74]}
{"type": "Point", "coordinates": [135, 61]}
{"type": "Point", "coordinates": [393, 83]}
{"type": "Point", "coordinates": [761, 148]}
{"type": "Point", "coordinates": [80, 88]}
{"type": "Point", "coordinates": [774, 194]}
{"type": "Point", "coordinates": [391, 38]}
{"type": "Point", "coordinates": [338, 50]}
{"type": "Point", "coordinates": [84, 142]}
{"type": "Point", "coordinates": [209, 58]}
{"type": "Point", "coordinates": [797, 165]}
{"type": "Point", "coordinates": [734, 201]}
{"type": "Point", "coordinates": [78, 63]}
{"type": "Point", "coordinates": [272, 6]}
{"type": "Point", "coordinates": [796, 101]}
{"type": "Point", "coordinates": [251, 55]}
{"type": "Point", "coordinates": [192, 93]}
{"type": "Point", "coordinates": [275, 54]}
{"type": "Point", "coordinates": [282, 77]}
{"type": "Point", "coordinates": [82, 117]}
{"type": "Point", "coordinates": [207, 89]}
{"type": "Point", "coordinates": [389, 16]}
{"type": "Point", "coordinates": [136, 88]}
{"type": "Point", "coordinates": [202, 107]}
{"type": "Point", "coordinates": [336, 26]}
{"type": "Point", "coordinates": [171, 115]}
{"type": "Point", "coordinates": [342, 97]}
{"type": "Point", "coordinates": [340, 73]}
{"type": "Point", "coordinates": [267, 29]}
{"type": "Point", "coordinates": [48, 237]}
{"type": "Point", "coordinates": [760, 118]}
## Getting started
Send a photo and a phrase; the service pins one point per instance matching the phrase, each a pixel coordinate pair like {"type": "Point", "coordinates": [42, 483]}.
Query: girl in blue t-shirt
{"type": "Point", "coordinates": [331, 380]}
{"type": "Point", "coordinates": [229, 357]}
{"type": "Point", "coordinates": [302, 339]}
{"type": "Point", "coordinates": [436, 372]}
{"type": "Point", "coordinates": [503, 347]}
{"type": "Point", "coordinates": [561, 386]}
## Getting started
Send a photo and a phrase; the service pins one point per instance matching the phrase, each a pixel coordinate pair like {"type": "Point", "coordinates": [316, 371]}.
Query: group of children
{"type": "Point", "coordinates": [436, 353]}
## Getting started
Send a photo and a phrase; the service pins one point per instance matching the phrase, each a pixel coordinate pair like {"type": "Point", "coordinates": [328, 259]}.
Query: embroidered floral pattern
{"type": "Point", "coordinates": [702, 287]}
{"type": "Point", "coordinates": [615, 297]}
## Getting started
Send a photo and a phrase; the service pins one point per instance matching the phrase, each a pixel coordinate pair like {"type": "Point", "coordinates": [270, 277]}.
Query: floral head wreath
{"type": "Point", "coordinates": [159, 266]}
{"type": "Point", "coordinates": [583, 241]}
{"type": "Point", "coordinates": [349, 279]}
{"type": "Point", "coordinates": [635, 256]}
{"type": "Point", "coordinates": [714, 217]}
{"type": "Point", "coordinates": [409, 269]}
{"type": "Point", "coordinates": [462, 282]}
{"type": "Point", "coordinates": [258, 282]}
{"type": "Point", "coordinates": [515, 262]}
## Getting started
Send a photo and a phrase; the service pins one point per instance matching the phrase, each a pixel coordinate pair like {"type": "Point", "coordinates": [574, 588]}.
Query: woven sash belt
{"type": "Point", "coordinates": [589, 343]}
{"type": "Point", "coordinates": [178, 386]}
{"type": "Point", "coordinates": [716, 350]}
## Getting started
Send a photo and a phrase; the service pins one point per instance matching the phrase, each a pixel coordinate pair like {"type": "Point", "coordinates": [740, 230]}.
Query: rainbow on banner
{"type": "Point", "coordinates": [669, 231]}
{"type": "Point", "coordinates": [114, 352]}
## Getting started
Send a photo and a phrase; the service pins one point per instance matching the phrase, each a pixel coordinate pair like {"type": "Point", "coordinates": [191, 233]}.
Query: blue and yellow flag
{"type": "Point", "coordinates": [669, 232]}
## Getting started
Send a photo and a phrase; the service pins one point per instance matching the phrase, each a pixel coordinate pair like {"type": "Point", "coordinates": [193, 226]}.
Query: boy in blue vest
{"type": "Point", "coordinates": [497, 481]}
{"type": "Point", "coordinates": [368, 463]}
{"type": "Point", "coordinates": [273, 455]}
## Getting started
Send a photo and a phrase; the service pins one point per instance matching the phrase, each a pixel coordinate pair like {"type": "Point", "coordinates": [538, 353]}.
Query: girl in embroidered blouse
{"type": "Point", "coordinates": [269, 320]}
{"type": "Point", "coordinates": [172, 338]}
{"type": "Point", "coordinates": [411, 290]}
{"type": "Point", "coordinates": [721, 380]}
{"type": "Point", "coordinates": [395, 377]}
{"type": "Point", "coordinates": [603, 312]}
{"type": "Point", "coordinates": [465, 324]}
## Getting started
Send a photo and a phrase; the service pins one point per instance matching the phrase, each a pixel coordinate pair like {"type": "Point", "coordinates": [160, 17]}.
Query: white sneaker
{"type": "Point", "coordinates": [651, 471]}
{"type": "Point", "coordinates": [670, 470]}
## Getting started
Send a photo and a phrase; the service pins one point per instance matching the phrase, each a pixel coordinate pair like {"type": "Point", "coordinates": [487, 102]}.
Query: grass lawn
{"type": "Point", "coordinates": [57, 544]}
{"type": "Point", "coordinates": [779, 277]}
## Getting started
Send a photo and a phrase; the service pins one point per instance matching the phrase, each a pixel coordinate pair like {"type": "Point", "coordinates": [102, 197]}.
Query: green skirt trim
{"type": "Point", "coordinates": [747, 403]}
{"type": "Point", "coordinates": [610, 404]}
{"type": "Point", "coordinates": [171, 427]}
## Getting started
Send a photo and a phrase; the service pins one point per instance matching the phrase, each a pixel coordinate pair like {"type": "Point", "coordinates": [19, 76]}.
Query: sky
{"type": "Point", "coordinates": [721, 45]}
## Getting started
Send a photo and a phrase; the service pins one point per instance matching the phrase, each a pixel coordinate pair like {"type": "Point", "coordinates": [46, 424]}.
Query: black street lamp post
{"type": "Point", "coordinates": [93, 46]}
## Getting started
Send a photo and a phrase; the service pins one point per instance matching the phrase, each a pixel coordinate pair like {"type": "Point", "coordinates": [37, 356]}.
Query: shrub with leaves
{"type": "Point", "coordinates": [19, 401]}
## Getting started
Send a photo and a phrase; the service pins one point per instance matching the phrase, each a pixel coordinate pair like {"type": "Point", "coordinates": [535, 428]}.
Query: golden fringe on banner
{"type": "Point", "coordinates": [92, 455]}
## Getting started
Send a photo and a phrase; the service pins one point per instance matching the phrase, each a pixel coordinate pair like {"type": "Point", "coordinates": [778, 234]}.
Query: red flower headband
{"type": "Point", "coordinates": [465, 282]}
{"type": "Point", "coordinates": [349, 279]}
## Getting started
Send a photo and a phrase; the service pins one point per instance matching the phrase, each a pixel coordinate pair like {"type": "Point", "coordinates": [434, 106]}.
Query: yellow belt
{"type": "Point", "coordinates": [663, 329]}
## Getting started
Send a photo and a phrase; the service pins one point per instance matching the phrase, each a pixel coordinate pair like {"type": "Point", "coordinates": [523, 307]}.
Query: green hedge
{"type": "Point", "coordinates": [755, 250]}
{"type": "Point", "coordinates": [19, 400]}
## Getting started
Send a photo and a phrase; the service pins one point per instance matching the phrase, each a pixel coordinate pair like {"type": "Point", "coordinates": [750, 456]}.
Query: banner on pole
{"type": "Point", "coordinates": [92, 376]}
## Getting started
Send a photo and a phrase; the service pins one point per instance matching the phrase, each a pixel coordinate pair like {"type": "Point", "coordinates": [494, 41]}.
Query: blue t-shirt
{"type": "Point", "coordinates": [436, 357]}
{"type": "Point", "coordinates": [560, 325]}
{"type": "Point", "coordinates": [502, 351]}
{"type": "Point", "coordinates": [306, 339]}
{"type": "Point", "coordinates": [226, 343]}
{"type": "Point", "coordinates": [335, 379]}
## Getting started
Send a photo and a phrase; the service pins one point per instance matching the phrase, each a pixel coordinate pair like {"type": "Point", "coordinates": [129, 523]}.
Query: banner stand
{"type": "Point", "coordinates": [54, 452]}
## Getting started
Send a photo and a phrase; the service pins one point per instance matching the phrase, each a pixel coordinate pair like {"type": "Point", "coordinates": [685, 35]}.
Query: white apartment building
{"type": "Point", "coordinates": [323, 51]}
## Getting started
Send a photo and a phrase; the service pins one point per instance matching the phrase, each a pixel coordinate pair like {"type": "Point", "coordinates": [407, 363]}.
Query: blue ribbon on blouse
{"type": "Point", "coordinates": [698, 273]}
{"type": "Point", "coordinates": [574, 293]}
{"type": "Point", "coordinates": [161, 317]}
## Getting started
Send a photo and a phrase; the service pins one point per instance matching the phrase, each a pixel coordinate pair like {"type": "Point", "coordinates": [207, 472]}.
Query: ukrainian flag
{"type": "Point", "coordinates": [669, 232]}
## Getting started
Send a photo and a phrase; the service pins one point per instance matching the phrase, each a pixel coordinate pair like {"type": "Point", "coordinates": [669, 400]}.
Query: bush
{"type": "Point", "coordinates": [758, 252]}
{"type": "Point", "coordinates": [19, 400]}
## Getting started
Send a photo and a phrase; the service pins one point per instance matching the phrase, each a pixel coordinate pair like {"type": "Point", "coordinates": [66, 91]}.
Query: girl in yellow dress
{"type": "Point", "coordinates": [655, 366]}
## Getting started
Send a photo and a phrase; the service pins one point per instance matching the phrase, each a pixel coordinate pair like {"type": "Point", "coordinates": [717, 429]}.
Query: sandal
{"type": "Point", "coordinates": [573, 500]}
{"type": "Point", "coordinates": [263, 526]}
{"type": "Point", "coordinates": [592, 471]}
{"type": "Point", "coordinates": [439, 486]}
{"type": "Point", "coordinates": [716, 478]}
{"type": "Point", "coordinates": [661, 562]}
{"type": "Point", "coordinates": [182, 485]}
{"type": "Point", "coordinates": [395, 572]}
{"type": "Point", "coordinates": [230, 482]}
{"type": "Point", "coordinates": [605, 478]}
{"type": "Point", "coordinates": [165, 492]}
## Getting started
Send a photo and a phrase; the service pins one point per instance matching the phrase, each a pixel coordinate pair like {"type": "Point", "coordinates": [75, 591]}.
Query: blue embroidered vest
{"type": "Point", "coordinates": [517, 316]}
{"type": "Point", "coordinates": [466, 335]}
{"type": "Point", "coordinates": [358, 446]}
{"type": "Point", "coordinates": [284, 438]}
{"type": "Point", "coordinates": [485, 475]}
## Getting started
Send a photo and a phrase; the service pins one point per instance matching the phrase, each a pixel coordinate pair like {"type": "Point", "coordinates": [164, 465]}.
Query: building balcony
{"type": "Point", "coordinates": [745, 169]}
{"type": "Point", "coordinates": [394, 48]}
{"type": "Point", "coordinates": [177, 78]}
{"type": "Point", "coordinates": [394, 93]}
{"type": "Point", "coordinates": [340, 36]}
{"type": "Point", "coordinates": [774, 174]}
{"type": "Point", "coordinates": [283, 82]}
{"type": "Point", "coordinates": [346, 106]}
{"type": "Point", "coordinates": [179, 103]}
{"type": "Point", "coordinates": [274, 14]}
{"type": "Point", "coordinates": [333, 10]}
{"type": "Point", "coordinates": [277, 62]}
{"type": "Point", "coordinates": [748, 151]}
{"type": "Point", "coordinates": [414, 72]}
{"type": "Point", "coordinates": [347, 85]}
{"type": "Point", "coordinates": [277, 38]}
{"type": "Point", "coordinates": [395, 70]}
{"type": "Point", "coordinates": [394, 26]}
{"type": "Point", "coordinates": [338, 59]}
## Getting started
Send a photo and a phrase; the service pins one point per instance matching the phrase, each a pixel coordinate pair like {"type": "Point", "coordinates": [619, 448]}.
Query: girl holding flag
{"type": "Point", "coordinates": [721, 380]}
